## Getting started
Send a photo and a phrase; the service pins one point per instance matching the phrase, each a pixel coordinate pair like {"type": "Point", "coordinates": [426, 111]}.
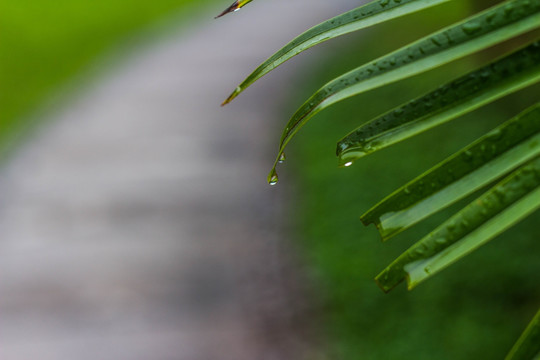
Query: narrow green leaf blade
{"type": "Point", "coordinates": [491, 156]}
{"type": "Point", "coordinates": [467, 93]}
{"type": "Point", "coordinates": [504, 205]}
{"type": "Point", "coordinates": [367, 15]}
{"type": "Point", "coordinates": [528, 345]}
{"type": "Point", "coordinates": [490, 27]}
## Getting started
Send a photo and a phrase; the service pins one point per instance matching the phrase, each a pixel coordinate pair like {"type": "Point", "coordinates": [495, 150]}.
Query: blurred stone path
{"type": "Point", "coordinates": [138, 223]}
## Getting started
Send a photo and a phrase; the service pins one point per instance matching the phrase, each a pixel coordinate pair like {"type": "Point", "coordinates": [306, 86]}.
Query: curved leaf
{"type": "Point", "coordinates": [504, 205]}
{"type": "Point", "coordinates": [467, 93]}
{"type": "Point", "coordinates": [368, 15]}
{"type": "Point", "coordinates": [490, 27]}
{"type": "Point", "coordinates": [528, 345]}
{"type": "Point", "coordinates": [491, 156]}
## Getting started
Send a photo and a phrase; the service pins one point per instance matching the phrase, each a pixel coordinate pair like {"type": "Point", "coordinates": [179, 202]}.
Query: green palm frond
{"type": "Point", "coordinates": [368, 15]}
{"type": "Point", "coordinates": [510, 152]}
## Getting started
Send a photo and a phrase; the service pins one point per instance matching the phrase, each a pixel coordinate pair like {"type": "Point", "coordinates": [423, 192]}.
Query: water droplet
{"type": "Point", "coordinates": [398, 111]}
{"type": "Point", "coordinates": [440, 241]}
{"type": "Point", "coordinates": [347, 164]}
{"type": "Point", "coordinates": [282, 158]}
{"type": "Point", "coordinates": [471, 27]}
{"type": "Point", "coordinates": [435, 41]}
{"type": "Point", "coordinates": [272, 177]}
{"type": "Point", "coordinates": [495, 134]}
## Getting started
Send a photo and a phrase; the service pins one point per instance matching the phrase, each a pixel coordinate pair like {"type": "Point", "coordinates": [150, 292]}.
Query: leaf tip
{"type": "Point", "coordinates": [231, 97]}
{"type": "Point", "coordinates": [234, 7]}
{"type": "Point", "coordinates": [386, 289]}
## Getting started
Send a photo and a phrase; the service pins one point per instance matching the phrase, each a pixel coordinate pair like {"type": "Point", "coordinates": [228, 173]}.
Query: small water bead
{"type": "Point", "coordinates": [490, 17]}
{"type": "Point", "coordinates": [435, 41]}
{"type": "Point", "coordinates": [272, 177]}
{"type": "Point", "coordinates": [282, 158]}
{"type": "Point", "coordinates": [398, 111]}
{"type": "Point", "coordinates": [471, 27]}
{"type": "Point", "coordinates": [273, 180]}
{"type": "Point", "coordinates": [441, 240]}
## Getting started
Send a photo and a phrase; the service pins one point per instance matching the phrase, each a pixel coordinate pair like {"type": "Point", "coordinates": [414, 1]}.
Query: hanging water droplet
{"type": "Point", "coordinates": [347, 164]}
{"type": "Point", "coordinates": [272, 177]}
{"type": "Point", "coordinates": [282, 158]}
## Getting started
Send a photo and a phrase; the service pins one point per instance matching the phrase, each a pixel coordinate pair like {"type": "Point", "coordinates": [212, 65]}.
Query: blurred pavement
{"type": "Point", "coordinates": [138, 223]}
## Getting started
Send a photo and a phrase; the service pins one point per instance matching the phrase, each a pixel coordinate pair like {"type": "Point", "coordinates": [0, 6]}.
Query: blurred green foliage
{"type": "Point", "coordinates": [44, 43]}
{"type": "Point", "coordinates": [477, 308]}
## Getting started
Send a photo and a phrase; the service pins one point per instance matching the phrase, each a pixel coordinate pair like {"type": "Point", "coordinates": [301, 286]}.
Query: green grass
{"type": "Point", "coordinates": [43, 44]}
{"type": "Point", "coordinates": [475, 309]}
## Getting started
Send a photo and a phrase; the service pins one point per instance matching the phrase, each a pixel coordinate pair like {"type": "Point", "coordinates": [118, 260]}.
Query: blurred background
{"type": "Point", "coordinates": [135, 218]}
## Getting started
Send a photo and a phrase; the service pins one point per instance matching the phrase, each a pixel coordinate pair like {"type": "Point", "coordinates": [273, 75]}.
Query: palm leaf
{"type": "Point", "coordinates": [501, 207]}
{"type": "Point", "coordinates": [467, 93]}
{"type": "Point", "coordinates": [528, 345]}
{"type": "Point", "coordinates": [491, 156]}
{"type": "Point", "coordinates": [485, 29]}
{"type": "Point", "coordinates": [368, 15]}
